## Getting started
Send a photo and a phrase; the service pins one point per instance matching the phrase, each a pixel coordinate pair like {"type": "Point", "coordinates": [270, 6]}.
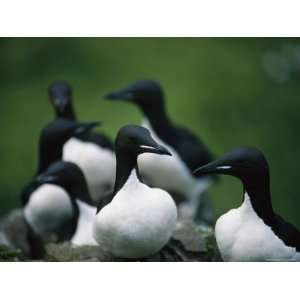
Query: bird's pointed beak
{"type": "Point", "coordinates": [214, 167]}
{"type": "Point", "coordinates": [158, 149]}
{"type": "Point", "coordinates": [119, 95]}
{"type": "Point", "coordinates": [46, 179]}
{"type": "Point", "coordinates": [149, 145]}
{"type": "Point", "coordinates": [84, 128]}
{"type": "Point", "coordinates": [162, 150]}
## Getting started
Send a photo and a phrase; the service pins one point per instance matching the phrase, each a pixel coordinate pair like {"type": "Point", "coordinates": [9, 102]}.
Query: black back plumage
{"type": "Point", "coordinates": [188, 146]}
{"type": "Point", "coordinates": [101, 140]}
{"type": "Point", "coordinates": [287, 232]}
{"type": "Point", "coordinates": [51, 140]}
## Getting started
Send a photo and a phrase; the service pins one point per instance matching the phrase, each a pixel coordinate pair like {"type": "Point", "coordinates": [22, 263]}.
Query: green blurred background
{"type": "Point", "coordinates": [230, 91]}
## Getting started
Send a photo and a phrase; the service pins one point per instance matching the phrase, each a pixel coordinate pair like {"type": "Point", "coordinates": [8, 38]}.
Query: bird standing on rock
{"type": "Point", "coordinates": [253, 231]}
{"type": "Point", "coordinates": [51, 141]}
{"type": "Point", "coordinates": [93, 152]}
{"type": "Point", "coordinates": [51, 209]}
{"type": "Point", "coordinates": [173, 174]}
{"type": "Point", "coordinates": [139, 220]}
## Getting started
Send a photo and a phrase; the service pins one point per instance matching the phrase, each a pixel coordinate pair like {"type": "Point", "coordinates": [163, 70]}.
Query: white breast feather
{"type": "Point", "coordinates": [242, 236]}
{"type": "Point", "coordinates": [98, 165]}
{"type": "Point", "coordinates": [84, 230]}
{"type": "Point", "coordinates": [170, 173]}
{"type": "Point", "coordinates": [48, 207]}
{"type": "Point", "coordinates": [166, 172]}
{"type": "Point", "coordinates": [138, 222]}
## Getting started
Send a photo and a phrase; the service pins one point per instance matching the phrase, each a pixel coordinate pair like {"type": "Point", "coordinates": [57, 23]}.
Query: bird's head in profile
{"type": "Point", "coordinates": [144, 93]}
{"type": "Point", "coordinates": [133, 139]}
{"type": "Point", "coordinates": [246, 163]}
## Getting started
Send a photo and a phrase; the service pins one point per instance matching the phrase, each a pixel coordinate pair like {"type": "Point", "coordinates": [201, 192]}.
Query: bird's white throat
{"type": "Point", "coordinates": [132, 181]}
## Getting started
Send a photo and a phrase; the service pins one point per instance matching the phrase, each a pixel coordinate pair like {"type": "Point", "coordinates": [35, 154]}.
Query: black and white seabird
{"type": "Point", "coordinates": [51, 141]}
{"type": "Point", "coordinates": [173, 174]}
{"type": "Point", "coordinates": [52, 138]}
{"type": "Point", "coordinates": [139, 220]}
{"type": "Point", "coordinates": [93, 153]}
{"type": "Point", "coordinates": [51, 209]}
{"type": "Point", "coordinates": [252, 232]}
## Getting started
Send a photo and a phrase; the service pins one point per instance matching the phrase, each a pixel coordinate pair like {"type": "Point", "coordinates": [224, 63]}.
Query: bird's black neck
{"type": "Point", "coordinates": [159, 121]}
{"type": "Point", "coordinates": [68, 112]}
{"type": "Point", "coordinates": [126, 162]}
{"type": "Point", "coordinates": [260, 197]}
{"type": "Point", "coordinates": [47, 156]}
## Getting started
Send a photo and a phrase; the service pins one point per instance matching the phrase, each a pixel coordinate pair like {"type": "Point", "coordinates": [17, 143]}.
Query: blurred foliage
{"type": "Point", "coordinates": [216, 86]}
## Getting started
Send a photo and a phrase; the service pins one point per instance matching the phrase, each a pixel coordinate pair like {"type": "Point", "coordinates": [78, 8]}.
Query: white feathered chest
{"type": "Point", "coordinates": [138, 222]}
{"type": "Point", "coordinates": [98, 165]}
{"type": "Point", "coordinates": [243, 236]}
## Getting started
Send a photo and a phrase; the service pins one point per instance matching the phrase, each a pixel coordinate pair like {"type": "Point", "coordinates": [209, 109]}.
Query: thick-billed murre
{"type": "Point", "coordinates": [253, 231]}
{"type": "Point", "coordinates": [139, 220]}
{"type": "Point", "coordinates": [51, 208]}
{"type": "Point", "coordinates": [93, 152]}
{"type": "Point", "coordinates": [173, 174]}
{"type": "Point", "coordinates": [52, 138]}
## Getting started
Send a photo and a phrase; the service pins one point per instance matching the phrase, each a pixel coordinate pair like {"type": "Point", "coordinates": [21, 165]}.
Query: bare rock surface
{"type": "Point", "coordinates": [190, 242]}
{"type": "Point", "coordinates": [13, 232]}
